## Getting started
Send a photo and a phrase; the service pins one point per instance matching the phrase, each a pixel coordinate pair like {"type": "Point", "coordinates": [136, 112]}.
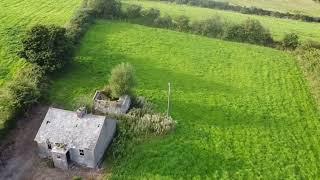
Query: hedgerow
{"type": "Point", "coordinates": [246, 10]}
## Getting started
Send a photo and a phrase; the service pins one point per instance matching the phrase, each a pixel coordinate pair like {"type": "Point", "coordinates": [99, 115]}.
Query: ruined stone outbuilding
{"type": "Point", "coordinates": [78, 137]}
{"type": "Point", "coordinates": [103, 105]}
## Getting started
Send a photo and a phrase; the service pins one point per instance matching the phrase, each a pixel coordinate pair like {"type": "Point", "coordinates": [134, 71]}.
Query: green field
{"type": "Point", "coordinates": [18, 15]}
{"type": "Point", "coordinates": [308, 7]}
{"type": "Point", "coordinates": [243, 111]}
{"type": "Point", "coordinates": [278, 27]}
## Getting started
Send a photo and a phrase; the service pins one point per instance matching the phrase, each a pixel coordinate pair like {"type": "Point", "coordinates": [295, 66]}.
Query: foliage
{"type": "Point", "coordinates": [106, 8]}
{"type": "Point", "coordinates": [163, 22]}
{"type": "Point", "coordinates": [277, 27]}
{"type": "Point", "coordinates": [151, 13]}
{"type": "Point", "coordinates": [133, 11]}
{"type": "Point", "coordinates": [247, 10]}
{"type": "Point", "coordinates": [27, 86]}
{"type": "Point", "coordinates": [212, 27]}
{"type": "Point", "coordinates": [240, 107]}
{"type": "Point", "coordinates": [47, 46]}
{"type": "Point", "coordinates": [290, 41]}
{"type": "Point", "coordinates": [79, 24]}
{"type": "Point", "coordinates": [182, 23]}
{"type": "Point", "coordinates": [250, 31]}
{"type": "Point", "coordinates": [121, 80]}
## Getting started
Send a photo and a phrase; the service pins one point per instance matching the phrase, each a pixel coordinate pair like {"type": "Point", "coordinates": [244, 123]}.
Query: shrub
{"type": "Point", "coordinates": [250, 31]}
{"type": "Point", "coordinates": [213, 27]}
{"type": "Point", "coordinates": [163, 22]}
{"type": "Point", "coordinates": [27, 86]}
{"type": "Point", "coordinates": [79, 24]}
{"type": "Point", "coordinates": [290, 41]}
{"type": "Point", "coordinates": [122, 80]}
{"type": "Point", "coordinates": [106, 8]}
{"type": "Point", "coordinates": [182, 23]}
{"type": "Point", "coordinates": [46, 46]}
{"type": "Point", "coordinates": [158, 124]}
{"type": "Point", "coordinates": [133, 11]}
{"type": "Point", "coordinates": [151, 13]}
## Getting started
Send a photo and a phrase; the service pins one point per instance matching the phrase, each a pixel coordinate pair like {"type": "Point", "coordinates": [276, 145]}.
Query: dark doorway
{"type": "Point", "coordinates": [68, 157]}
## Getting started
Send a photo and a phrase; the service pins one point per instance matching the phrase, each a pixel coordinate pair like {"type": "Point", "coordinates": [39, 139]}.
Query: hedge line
{"type": "Point", "coordinates": [248, 31]}
{"type": "Point", "coordinates": [246, 10]}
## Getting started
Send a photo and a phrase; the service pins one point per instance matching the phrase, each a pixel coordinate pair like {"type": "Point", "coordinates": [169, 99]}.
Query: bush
{"type": "Point", "coordinates": [182, 23]}
{"type": "Point", "coordinates": [122, 80]}
{"type": "Point", "coordinates": [312, 44]}
{"type": "Point", "coordinates": [213, 27]}
{"type": "Point", "coordinates": [47, 46]}
{"type": "Point", "coordinates": [106, 8]}
{"type": "Point", "coordinates": [133, 11]}
{"type": "Point", "coordinates": [163, 22]}
{"type": "Point", "coordinates": [79, 24]}
{"type": "Point", "coordinates": [290, 41]}
{"type": "Point", "coordinates": [250, 31]}
{"type": "Point", "coordinates": [27, 86]}
{"type": "Point", "coordinates": [151, 13]}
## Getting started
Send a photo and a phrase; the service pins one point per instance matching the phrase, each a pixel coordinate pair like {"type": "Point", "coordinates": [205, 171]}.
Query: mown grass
{"type": "Point", "coordinates": [308, 7]}
{"type": "Point", "coordinates": [278, 27]}
{"type": "Point", "coordinates": [243, 111]}
{"type": "Point", "coordinates": [18, 15]}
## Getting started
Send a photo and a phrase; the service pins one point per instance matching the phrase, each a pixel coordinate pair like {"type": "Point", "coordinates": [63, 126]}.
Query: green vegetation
{"type": "Point", "coordinates": [16, 16]}
{"type": "Point", "coordinates": [121, 80]}
{"type": "Point", "coordinates": [278, 27]}
{"type": "Point", "coordinates": [243, 111]}
{"type": "Point", "coordinates": [308, 7]}
{"type": "Point", "coordinates": [47, 46]}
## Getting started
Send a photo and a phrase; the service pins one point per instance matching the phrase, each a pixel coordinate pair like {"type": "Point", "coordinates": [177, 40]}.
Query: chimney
{"type": "Point", "coordinates": [81, 112]}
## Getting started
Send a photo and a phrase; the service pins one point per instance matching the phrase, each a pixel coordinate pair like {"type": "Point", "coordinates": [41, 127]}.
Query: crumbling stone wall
{"type": "Point", "coordinates": [103, 105]}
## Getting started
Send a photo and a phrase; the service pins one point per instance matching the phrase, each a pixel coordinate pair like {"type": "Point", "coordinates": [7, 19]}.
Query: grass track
{"type": "Point", "coordinates": [278, 27]}
{"type": "Point", "coordinates": [18, 15]}
{"type": "Point", "coordinates": [243, 111]}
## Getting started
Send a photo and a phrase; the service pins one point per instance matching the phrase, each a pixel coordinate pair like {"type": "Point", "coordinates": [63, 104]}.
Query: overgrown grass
{"type": "Point", "coordinates": [308, 7]}
{"type": "Point", "coordinates": [18, 15]}
{"type": "Point", "coordinates": [278, 27]}
{"type": "Point", "coordinates": [243, 111]}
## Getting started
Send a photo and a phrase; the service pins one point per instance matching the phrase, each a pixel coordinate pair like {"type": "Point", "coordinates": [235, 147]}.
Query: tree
{"type": "Point", "coordinates": [47, 46]}
{"type": "Point", "coordinates": [182, 23]}
{"type": "Point", "coordinates": [121, 80]}
{"type": "Point", "coordinates": [290, 41]}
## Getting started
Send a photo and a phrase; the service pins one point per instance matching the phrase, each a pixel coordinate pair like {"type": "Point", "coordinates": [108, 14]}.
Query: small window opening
{"type": "Point", "coordinates": [81, 152]}
{"type": "Point", "coordinates": [47, 122]}
{"type": "Point", "coordinates": [58, 157]}
{"type": "Point", "coordinates": [49, 146]}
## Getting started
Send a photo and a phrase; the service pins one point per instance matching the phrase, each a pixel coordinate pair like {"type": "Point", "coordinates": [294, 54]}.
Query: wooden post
{"type": "Point", "coordinates": [169, 93]}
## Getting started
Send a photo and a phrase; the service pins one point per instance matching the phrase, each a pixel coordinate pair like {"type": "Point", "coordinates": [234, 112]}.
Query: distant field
{"type": "Point", "coordinates": [18, 15]}
{"type": "Point", "coordinates": [243, 111]}
{"type": "Point", "coordinates": [308, 7]}
{"type": "Point", "coordinates": [277, 26]}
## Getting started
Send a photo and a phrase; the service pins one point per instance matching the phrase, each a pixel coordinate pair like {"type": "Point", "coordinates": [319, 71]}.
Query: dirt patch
{"type": "Point", "coordinates": [18, 153]}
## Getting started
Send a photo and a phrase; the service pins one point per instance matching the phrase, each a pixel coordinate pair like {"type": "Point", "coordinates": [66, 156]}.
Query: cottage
{"type": "Point", "coordinates": [67, 136]}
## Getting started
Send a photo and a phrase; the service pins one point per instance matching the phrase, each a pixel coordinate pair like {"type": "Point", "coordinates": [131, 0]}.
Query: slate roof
{"type": "Point", "coordinates": [62, 126]}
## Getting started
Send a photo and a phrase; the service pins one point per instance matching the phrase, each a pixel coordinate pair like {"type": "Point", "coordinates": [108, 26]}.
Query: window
{"type": "Point", "coordinates": [81, 152]}
{"type": "Point", "coordinates": [49, 146]}
{"type": "Point", "coordinates": [59, 157]}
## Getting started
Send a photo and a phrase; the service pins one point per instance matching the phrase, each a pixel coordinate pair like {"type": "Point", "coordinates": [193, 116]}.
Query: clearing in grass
{"type": "Point", "coordinates": [243, 111]}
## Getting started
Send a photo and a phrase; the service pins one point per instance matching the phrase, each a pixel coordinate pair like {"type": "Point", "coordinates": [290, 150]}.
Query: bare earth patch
{"type": "Point", "coordinates": [18, 154]}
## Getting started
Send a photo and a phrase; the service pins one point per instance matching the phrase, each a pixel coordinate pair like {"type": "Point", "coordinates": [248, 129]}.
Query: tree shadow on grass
{"type": "Point", "coordinates": [89, 73]}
